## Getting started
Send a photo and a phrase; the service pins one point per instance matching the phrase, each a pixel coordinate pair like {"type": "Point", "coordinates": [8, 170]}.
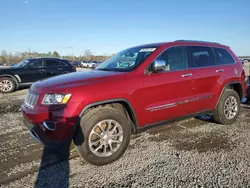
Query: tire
{"type": "Point", "coordinates": [84, 135]}
{"type": "Point", "coordinates": [10, 82]}
{"type": "Point", "coordinates": [219, 115]}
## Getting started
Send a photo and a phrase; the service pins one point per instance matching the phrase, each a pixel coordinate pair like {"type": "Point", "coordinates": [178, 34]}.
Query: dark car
{"type": "Point", "coordinates": [75, 63]}
{"type": "Point", "coordinates": [28, 71]}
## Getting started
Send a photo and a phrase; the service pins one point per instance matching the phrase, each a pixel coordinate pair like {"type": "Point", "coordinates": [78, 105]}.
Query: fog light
{"type": "Point", "coordinates": [51, 126]}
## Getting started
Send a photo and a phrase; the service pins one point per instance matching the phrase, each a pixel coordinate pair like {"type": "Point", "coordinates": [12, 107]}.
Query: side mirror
{"type": "Point", "coordinates": [158, 65]}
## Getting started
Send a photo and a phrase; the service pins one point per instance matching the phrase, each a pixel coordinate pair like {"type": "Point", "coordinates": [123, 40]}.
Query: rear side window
{"type": "Point", "coordinates": [222, 57]}
{"type": "Point", "coordinates": [200, 56]}
{"type": "Point", "coordinates": [54, 63]}
{"type": "Point", "coordinates": [174, 58]}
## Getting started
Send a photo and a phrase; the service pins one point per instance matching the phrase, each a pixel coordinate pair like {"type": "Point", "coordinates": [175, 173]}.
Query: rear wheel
{"type": "Point", "coordinates": [7, 85]}
{"type": "Point", "coordinates": [106, 135]}
{"type": "Point", "coordinates": [228, 108]}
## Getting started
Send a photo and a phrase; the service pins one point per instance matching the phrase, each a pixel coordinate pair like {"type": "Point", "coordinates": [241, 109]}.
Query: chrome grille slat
{"type": "Point", "coordinates": [31, 99]}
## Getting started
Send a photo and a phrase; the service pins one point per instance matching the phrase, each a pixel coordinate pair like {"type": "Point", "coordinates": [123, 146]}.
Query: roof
{"type": "Point", "coordinates": [33, 58]}
{"type": "Point", "coordinates": [155, 45]}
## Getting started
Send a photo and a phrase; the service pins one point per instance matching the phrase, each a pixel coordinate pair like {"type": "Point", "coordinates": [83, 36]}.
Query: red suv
{"type": "Point", "coordinates": [138, 88]}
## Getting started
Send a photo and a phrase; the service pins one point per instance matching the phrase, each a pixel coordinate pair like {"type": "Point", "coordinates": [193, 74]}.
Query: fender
{"type": "Point", "coordinates": [14, 78]}
{"type": "Point", "coordinates": [224, 88]}
{"type": "Point", "coordinates": [112, 101]}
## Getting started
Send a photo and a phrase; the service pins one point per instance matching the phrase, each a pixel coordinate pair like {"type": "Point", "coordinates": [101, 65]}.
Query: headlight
{"type": "Point", "coordinates": [56, 99]}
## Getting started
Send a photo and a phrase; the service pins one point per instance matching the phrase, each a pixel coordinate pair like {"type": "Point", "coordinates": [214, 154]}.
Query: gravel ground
{"type": "Point", "coordinates": [190, 153]}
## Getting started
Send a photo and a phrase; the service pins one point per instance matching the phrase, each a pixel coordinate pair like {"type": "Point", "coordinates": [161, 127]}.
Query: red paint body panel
{"type": "Point", "coordinates": [143, 92]}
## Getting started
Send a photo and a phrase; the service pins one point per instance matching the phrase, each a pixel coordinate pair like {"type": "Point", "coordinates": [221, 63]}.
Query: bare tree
{"type": "Point", "coordinates": [88, 54]}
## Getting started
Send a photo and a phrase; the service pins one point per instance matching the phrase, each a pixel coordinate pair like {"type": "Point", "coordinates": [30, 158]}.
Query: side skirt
{"type": "Point", "coordinates": [161, 123]}
{"type": "Point", "coordinates": [25, 84]}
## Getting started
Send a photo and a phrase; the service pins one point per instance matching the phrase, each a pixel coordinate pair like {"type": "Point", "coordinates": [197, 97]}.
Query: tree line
{"type": "Point", "coordinates": [10, 58]}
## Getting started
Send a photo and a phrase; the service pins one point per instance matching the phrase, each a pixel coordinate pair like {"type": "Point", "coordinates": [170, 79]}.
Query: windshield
{"type": "Point", "coordinates": [126, 60]}
{"type": "Point", "coordinates": [21, 64]}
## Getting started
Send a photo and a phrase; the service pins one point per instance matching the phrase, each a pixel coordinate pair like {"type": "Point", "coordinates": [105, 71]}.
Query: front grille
{"type": "Point", "coordinates": [31, 99]}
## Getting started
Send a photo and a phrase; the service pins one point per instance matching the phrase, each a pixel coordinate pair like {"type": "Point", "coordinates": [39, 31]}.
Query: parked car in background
{"type": "Point", "coordinates": [75, 63]}
{"type": "Point", "coordinates": [84, 64]}
{"type": "Point", "coordinates": [138, 88]}
{"type": "Point", "coordinates": [91, 64]}
{"type": "Point", "coordinates": [31, 70]}
{"type": "Point", "coordinates": [88, 64]}
{"type": "Point", "coordinates": [242, 61]}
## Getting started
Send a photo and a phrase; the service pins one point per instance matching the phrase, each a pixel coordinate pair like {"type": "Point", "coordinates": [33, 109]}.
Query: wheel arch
{"type": "Point", "coordinates": [231, 85]}
{"type": "Point", "coordinates": [124, 102]}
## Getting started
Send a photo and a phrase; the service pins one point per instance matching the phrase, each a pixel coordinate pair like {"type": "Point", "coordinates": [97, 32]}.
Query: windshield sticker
{"type": "Point", "coordinates": [147, 50]}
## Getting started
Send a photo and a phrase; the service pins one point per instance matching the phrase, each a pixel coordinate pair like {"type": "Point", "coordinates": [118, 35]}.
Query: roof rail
{"type": "Point", "coordinates": [197, 41]}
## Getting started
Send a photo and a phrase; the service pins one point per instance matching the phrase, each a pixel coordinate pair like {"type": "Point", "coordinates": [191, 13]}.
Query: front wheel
{"type": "Point", "coordinates": [7, 85]}
{"type": "Point", "coordinates": [228, 108]}
{"type": "Point", "coordinates": [103, 136]}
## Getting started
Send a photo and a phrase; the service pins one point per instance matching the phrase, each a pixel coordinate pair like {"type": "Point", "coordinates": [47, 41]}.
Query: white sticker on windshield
{"type": "Point", "coordinates": [147, 50]}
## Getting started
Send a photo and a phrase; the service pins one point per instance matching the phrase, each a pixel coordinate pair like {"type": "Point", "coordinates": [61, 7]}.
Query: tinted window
{"type": "Point", "coordinates": [174, 58]}
{"type": "Point", "coordinates": [222, 57]}
{"type": "Point", "coordinates": [54, 63]}
{"type": "Point", "coordinates": [35, 64]}
{"type": "Point", "coordinates": [200, 56]}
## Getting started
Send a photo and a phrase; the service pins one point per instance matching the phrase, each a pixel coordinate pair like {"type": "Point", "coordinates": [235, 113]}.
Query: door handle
{"type": "Point", "coordinates": [187, 75]}
{"type": "Point", "coordinates": [60, 69]}
{"type": "Point", "coordinates": [220, 70]}
{"type": "Point", "coordinates": [42, 70]}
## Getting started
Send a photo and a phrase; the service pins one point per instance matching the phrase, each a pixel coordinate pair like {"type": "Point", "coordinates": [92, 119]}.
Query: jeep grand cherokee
{"type": "Point", "coordinates": [137, 88]}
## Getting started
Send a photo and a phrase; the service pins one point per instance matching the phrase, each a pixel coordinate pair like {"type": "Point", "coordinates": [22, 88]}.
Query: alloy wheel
{"type": "Point", "coordinates": [6, 85]}
{"type": "Point", "coordinates": [105, 138]}
{"type": "Point", "coordinates": [230, 107]}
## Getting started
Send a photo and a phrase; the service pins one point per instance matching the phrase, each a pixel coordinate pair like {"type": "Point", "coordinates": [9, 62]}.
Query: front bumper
{"type": "Point", "coordinates": [37, 134]}
{"type": "Point", "coordinates": [52, 129]}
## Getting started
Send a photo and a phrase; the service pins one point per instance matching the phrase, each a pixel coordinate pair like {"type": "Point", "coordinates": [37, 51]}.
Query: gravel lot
{"type": "Point", "coordinates": [190, 153]}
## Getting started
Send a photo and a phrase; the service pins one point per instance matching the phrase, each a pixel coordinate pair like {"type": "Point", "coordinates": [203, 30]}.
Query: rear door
{"type": "Point", "coordinates": [33, 71]}
{"type": "Point", "coordinates": [55, 67]}
{"type": "Point", "coordinates": [165, 94]}
{"type": "Point", "coordinates": [205, 74]}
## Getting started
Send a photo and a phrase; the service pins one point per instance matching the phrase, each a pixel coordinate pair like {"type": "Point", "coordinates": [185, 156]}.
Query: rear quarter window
{"type": "Point", "coordinates": [223, 57]}
{"type": "Point", "coordinates": [55, 63]}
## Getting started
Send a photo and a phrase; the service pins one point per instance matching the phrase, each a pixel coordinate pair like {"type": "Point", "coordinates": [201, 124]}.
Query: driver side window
{"type": "Point", "coordinates": [35, 64]}
{"type": "Point", "coordinates": [174, 58]}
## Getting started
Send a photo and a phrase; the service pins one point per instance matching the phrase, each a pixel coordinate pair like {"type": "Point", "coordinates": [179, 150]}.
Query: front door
{"type": "Point", "coordinates": [33, 72]}
{"type": "Point", "coordinates": [166, 94]}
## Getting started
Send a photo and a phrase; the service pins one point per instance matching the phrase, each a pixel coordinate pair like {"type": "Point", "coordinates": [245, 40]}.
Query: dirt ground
{"type": "Point", "coordinates": [190, 153]}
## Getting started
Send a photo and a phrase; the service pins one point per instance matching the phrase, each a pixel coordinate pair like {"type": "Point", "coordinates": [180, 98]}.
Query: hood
{"type": "Point", "coordinates": [76, 79]}
{"type": "Point", "coordinates": [7, 68]}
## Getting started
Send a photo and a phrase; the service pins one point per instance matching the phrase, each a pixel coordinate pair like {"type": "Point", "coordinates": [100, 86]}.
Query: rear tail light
{"type": "Point", "coordinates": [73, 68]}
